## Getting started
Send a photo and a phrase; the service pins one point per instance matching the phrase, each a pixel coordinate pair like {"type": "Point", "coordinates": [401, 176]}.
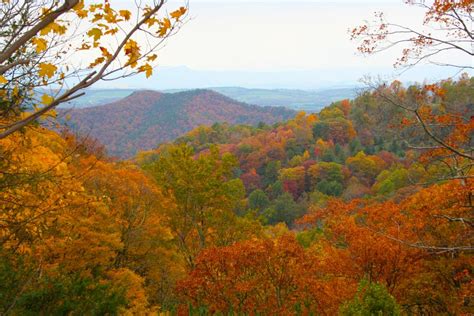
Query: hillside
{"type": "Point", "coordinates": [147, 118]}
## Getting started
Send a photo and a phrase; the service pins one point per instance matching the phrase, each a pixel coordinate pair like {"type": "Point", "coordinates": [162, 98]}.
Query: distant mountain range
{"type": "Point", "coordinates": [182, 77]}
{"type": "Point", "coordinates": [145, 118]}
{"type": "Point", "coordinates": [306, 100]}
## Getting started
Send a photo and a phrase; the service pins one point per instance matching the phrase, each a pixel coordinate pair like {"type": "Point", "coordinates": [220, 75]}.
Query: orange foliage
{"type": "Point", "coordinates": [261, 276]}
{"type": "Point", "coordinates": [405, 246]}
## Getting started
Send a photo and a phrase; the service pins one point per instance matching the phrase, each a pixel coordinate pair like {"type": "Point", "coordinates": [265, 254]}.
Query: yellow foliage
{"type": "Point", "coordinates": [74, 213]}
{"type": "Point", "coordinates": [97, 61]}
{"type": "Point", "coordinates": [54, 28]}
{"type": "Point", "coordinates": [80, 11]}
{"type": "Point", "coordinates": [165, 25]}
{"type": "Point", "coordinates": [132, 51]}
{"type": "Point", "coordinates": [47, 99]}
{"type": "Point", "coordinates": [41, 44]}
{"type": "Point", "coordinates": [178, 13]}
{"type": "Point", "coordinates": [147, 69]}
{"type": "Point", "coordinates": [47, 70]}
{"type": "Point", "coordinates": [125, 14]}
{"type": "Point", "coordinates": [95, 33]}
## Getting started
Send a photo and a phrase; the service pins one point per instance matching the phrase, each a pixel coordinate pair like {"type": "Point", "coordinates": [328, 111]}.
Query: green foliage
{"type": "Point", "coordinates": [283, 210]}
{"type": "Point", "coordinates": [328, 178]}
{"type": "Point", "coordinates": [388, 181]}
{"type": "Point", "coordinates": [307, 237]}
{"type": "Point", "coordinates": [321, 130]}
{"type": "Point", "coordinates": [24, 291]}
{"type": "Point", "coordinates": [258, 200]}
{"type": "Point", "coordinates": [332, 188]}
{"type": "Point", "coordinates": [276, 189]}
{"type": "Point", "coordinates": [201, 182]}
{"type": "Point", "coordinates": [372, 299]}
{"type": "Point", "coordinates": [67, 294]}
{"type": "Point", "coordinates": [355, 146]}
{"type": "Point", "coordinates": [292, 148]}
{"type": "Point", "coordinates": [271, 172]}
{"type": "Point", "coordinates": [245, 149]}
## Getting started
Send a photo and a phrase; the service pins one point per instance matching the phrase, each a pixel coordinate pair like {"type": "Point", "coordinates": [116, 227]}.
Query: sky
{"type": "Point", "coordinates": [257, 38]}
{"type": "Point", "coordinates": [273, 35]}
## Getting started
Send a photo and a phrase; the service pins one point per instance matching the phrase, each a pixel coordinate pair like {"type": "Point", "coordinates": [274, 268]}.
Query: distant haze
{"type": "Point", "coordinates": [186, 78]}
{"type": "Point", "coordinates": [275, 44]}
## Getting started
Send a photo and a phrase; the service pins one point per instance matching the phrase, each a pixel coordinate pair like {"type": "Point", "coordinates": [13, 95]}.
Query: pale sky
{"type": "Point", "coordinates": [275, 36]}
{"type": "Point", "coordinates": [269, 35]}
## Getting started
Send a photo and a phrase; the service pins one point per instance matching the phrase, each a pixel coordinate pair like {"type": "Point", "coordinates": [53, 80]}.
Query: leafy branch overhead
{"type": "Point", "coordinates": [65, 47]}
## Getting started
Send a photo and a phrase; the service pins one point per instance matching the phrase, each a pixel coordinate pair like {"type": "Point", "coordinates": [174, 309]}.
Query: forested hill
{"type": "Point", "coordinates": [147, 118]}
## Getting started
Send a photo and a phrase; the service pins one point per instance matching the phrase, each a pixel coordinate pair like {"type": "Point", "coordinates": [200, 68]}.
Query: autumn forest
{"type": "Point", "coordinates": [216, 207]}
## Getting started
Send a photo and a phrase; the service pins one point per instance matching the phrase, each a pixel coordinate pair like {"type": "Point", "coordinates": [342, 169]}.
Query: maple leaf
{"type": "Point", "coordinates": [41, 44]}
{"type": "Point", "coordinates": [46, 99]}
{"type": "Point", "coordinates": [95, 33]}
{"type": "Point", "coordinates": [132, 50]}
{"type": "Point", "coordinates": [165, 25]}
{"type": "Point", "coordinates": [79, 9]}
{"type": "Point", "coordinates": [3, 80]}
{"type": "Point", "coordinates": [147, 69]}
{"type": "Point", "coordinates": [97, 61]}
{"type": "Point", "coordinates": [112, 31]}
{"type": "Point", "coordinates": [125, 14]}
{"type": "Point", "coordinates": [105, 52]}
{"type": "Point", "coordinates": [47, 70]}
{"type": "Point", "coordinates": [55, 28]}
{"type": "Point", "coordinates": [178, 13]}
{"type": "Point", "coordinates": [151, 57]}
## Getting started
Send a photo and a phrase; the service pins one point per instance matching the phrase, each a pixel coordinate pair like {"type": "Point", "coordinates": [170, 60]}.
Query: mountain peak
{"type": "Point", "coordinates": [146, 118]}
{"type": "Point", "coordinates": [144, 94]}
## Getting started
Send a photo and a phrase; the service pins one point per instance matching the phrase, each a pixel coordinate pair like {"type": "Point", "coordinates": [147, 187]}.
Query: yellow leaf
{"type": "Point", "coordinates": [147, 69]}
{"type": "Point", "coordinates": [3, 80]}
{"type": "Point", "coordinates": [96, 62]}
{"type": "Point", "coordinates": [79, 5]}
{"type": "Point", "coordinates": [47, 99]}
{"type": "Point", "coordinates": [104, 26]}
{"type": "Point", "coordinates": [53, 27]}
{"type": "Point", "coordinates": [151, 21]}
{"type": "Point", "coordinates": [111, 31]}
{"type": "Point", "coordinates": [50, 113]}
{"type": "Point", "coordinates": [94, 7]}
{"type": "Point", "coordinates": [97, 17]}
{"type": "Point", "coordinates": [105, 52]}
{"type": "Point", "coordinates": [47, 70]}
{"type": "Point", "coordinates": [132, 50]}
{"type": "Point", "coordinates": [178, 13]}
{"type": "Point", "coordinates": [165, 26]}
{"type": "Point", "coordinates": [95, 33]}
{"type": "Point", "coordinates": [85, 46]}
{"type": "Point", "coordinates": [41, 44]}
{"type": "Point", "coordinates": [151, 57]}
{"type": "Point", "coordinates": [79, 9]}
{"type": "Point", "coordinates": [125, 14]}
